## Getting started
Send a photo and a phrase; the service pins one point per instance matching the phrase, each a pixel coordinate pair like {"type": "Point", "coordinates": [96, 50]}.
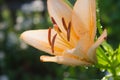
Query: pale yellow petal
{"type": "Point", "coordinates": [63, 60]}
{"type": "Point", "coordinates": [92, 51]}
{"type": "Point", "coordinates": [39, 40]}
{"type": "Point", "coordinates": [83, 44]}
{"type": "Point", "coordinates": [58, 9]}
{"type": "Point", "coordinates": [84, 21]}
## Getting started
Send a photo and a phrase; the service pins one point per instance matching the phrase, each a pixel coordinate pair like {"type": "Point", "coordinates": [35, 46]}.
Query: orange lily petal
{"type": "Point", "coordinates": [39, 40]}
{"type": "Point", "coordinates": [58, 9]}
{"type": "Point", "coordinates": [92, 51]}
{"type": "Point", "coordinates": [62, 14]}
{"type": "Point", "coordinates": [63, 60]}
{"type": "Point", "coordinates": [84, 21]}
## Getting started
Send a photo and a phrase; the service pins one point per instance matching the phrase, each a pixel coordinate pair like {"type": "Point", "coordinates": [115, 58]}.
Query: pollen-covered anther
{"type": "Point", "coordinates": [67, 28]}
{"type": "Point", "coordinates": [53, 42]}
{"type": "Point", "coordinates": [64, 24]}
{"type": "Point", "coordinates": [49, 35]}
{"type": "Point", "coordinates": [53, 20]}
{"type": "Point", "coordinates": [57, 29]}
{"type": "Point", "coordinates": [53, 39]}
{"type": "Point", "coordinates": [105, 38]}
{"type": "Point", "coordinates": [68, 31]}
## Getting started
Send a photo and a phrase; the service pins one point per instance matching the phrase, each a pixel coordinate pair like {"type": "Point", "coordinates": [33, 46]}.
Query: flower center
{"type": "Point", "coordinates": [59, 32]}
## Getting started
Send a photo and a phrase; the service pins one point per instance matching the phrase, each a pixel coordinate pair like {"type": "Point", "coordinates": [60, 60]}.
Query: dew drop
{"type": "Point", "coordinates": [101, 26]}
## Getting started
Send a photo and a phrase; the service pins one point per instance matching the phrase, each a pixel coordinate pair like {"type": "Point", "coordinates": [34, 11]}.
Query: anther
{"type": "Point", "coordinates": [105, 38]}
{"type": "Point", "coordinates": [57, 28]}
{"type": "Point", "coordinates": [53, 20]}
{"type": "Point", "coordinates": [68, 31]}
{"type": "Point", "coordinates": [64, 24]}
{"type": "Point", "coordinates": [49, 35]}
{"type": "Point", "coordinates": [53, 41]}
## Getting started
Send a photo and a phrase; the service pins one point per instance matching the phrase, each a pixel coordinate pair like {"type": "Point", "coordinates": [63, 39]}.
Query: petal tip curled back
{"type": "Point", "coordinates": [105, 34]}
{"type": "Point", "coordinates": [26, 36]}
{"type": "Point", "coordinates": [92, 51]}
{"type": "Point", "coordinates": [23, 35]}
{"type": "Point", "coordinates": [37, 39]}
{"type": "Point", "coordinates": [44, 58]}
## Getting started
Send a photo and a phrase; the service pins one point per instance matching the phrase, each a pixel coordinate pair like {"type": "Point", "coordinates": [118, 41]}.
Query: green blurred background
{"type": "Point", "coordinates": [19, 61]}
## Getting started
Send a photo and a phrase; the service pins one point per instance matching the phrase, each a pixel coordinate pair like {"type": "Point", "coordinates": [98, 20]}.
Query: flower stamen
{"type": "Point", "coordinates": [53, 41]}
{"type": "Point", "coordinates": [64, 24]}
{"type": "Point", "coordinates": [49, 35]}
{"type": "Point", "coordinates": [68, 31]}
{"type": "Point", "coordinates": [57, 28]}
{"type": "Point", "coordinates": [67, 28]}
{"type": "Point", "coordinates": [53, 20]}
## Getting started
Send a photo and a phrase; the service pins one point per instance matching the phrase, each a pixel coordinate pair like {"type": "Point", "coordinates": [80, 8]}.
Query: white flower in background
{"type": "Point", "coordinates": [36, 5]}
{"type": "Point", "coordinates": [3, 77]}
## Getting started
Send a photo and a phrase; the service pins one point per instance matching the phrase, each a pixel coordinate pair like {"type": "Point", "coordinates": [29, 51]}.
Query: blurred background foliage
{"type": "Point", "coordinates": [19, 61]}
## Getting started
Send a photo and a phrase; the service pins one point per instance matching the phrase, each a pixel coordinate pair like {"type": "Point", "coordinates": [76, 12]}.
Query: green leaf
{"type": "Point", "coordinates": [108, 48]}
{"type": "Point", "coordinates": [102, 54]}
{"type": "Point", "coordinates": [118, 54]}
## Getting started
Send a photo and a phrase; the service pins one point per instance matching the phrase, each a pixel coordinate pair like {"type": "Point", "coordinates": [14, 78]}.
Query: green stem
{"type": "Point", "coordinates": [99, 26]}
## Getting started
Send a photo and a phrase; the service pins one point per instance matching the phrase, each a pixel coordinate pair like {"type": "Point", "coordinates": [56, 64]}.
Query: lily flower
{"type": "Point", "coordinates": [71, 39]}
